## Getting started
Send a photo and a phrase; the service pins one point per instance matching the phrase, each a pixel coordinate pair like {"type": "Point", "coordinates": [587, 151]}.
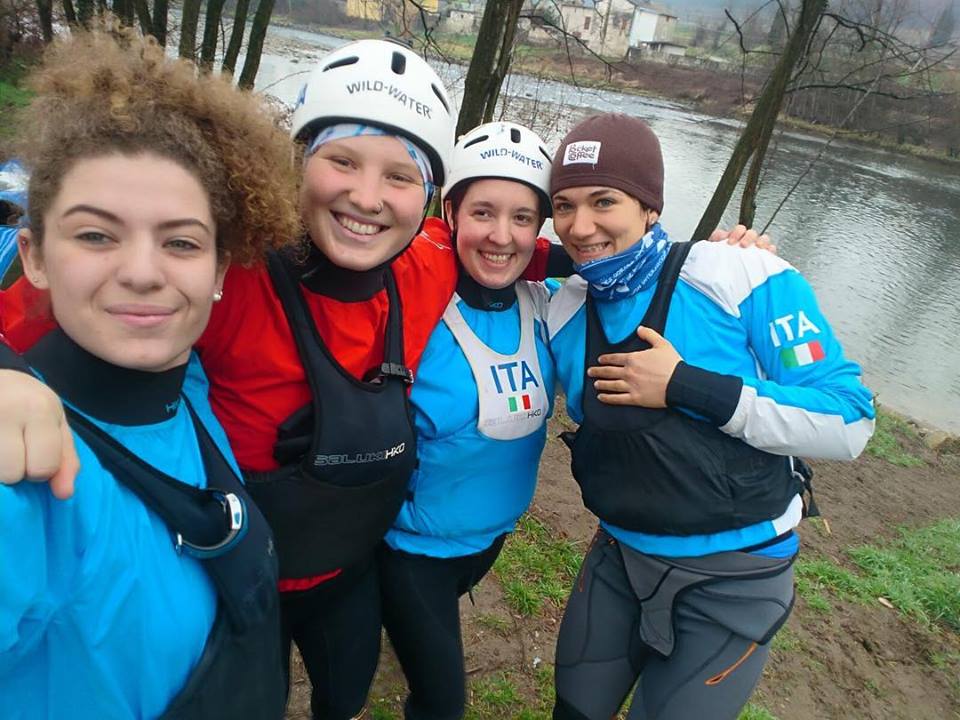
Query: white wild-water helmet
{"type": "Point", "coordinates": [502, 151]}
{"type": "Point", "coordinates": [385, 84]}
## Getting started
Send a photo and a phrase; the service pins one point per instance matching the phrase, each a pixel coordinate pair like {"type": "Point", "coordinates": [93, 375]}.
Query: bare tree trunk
{"type": "Point", "coordinates": [85, 12]}
{"type": "Point", "coordinates": [504, 59]}
{"type": "Point", "coordinates": [159, 24]}
{"type": "Point", "coordinates": [143, 16]}
{"type": "Point", "coordinates": [756, 135]}
{"type": "Point", "coordinates": [236, 36]}
{"type": "Point", "coordinates": [45, 11]}
{"type": "Point", "coordinates": [69, 13]}
{"type": "Point", "coordinates": [188, 29]}
{"type": "Point", "coordinates": [491, 57]}
{"type": "Point", "coordinates": [211, 25]}
{"type": "Point", "coordinates": [123, 9]}
{"type": "Point", "coordinates": [261, 20]}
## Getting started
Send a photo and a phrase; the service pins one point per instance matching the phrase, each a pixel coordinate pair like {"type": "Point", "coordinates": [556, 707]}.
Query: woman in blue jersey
{"type": "Point", "coordinates": [152, 591]}
{"type": "Point", "coordinates": [481, 401]}
{"type": "Point", "coordinates": [734, 369]}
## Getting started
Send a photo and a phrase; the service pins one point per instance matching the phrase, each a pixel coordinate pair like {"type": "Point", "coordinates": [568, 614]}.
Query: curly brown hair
{"type": "Point", "coordinates": [99, 93]}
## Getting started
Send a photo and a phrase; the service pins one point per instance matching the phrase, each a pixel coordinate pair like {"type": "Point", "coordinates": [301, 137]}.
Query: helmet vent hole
{"type": "Point", "coordinates": [476, 140]}
{"type": "Point", "coordinates": [341, 63]}
{"type": "Point", "coordinates": [546, 155]}
{"type": "Point", "coordinates": [439, 94]}
{"type": "Point", "coordinates": [399, 63]}
{"type": "Point", "coordinates": [514, 135]}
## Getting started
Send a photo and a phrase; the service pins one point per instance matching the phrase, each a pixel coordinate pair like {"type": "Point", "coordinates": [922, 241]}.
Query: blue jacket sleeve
{"type": "Point", "coordinates": [23, 564]}
{"type": "Point", "coordinates": [808, 399]}
{"type": "Point", "coordinates": [43, 544]}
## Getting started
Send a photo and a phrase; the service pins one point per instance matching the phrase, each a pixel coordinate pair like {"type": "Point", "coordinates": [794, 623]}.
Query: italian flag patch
{"type": "Point", "coordinates": [800, 355]}
{"type": "Point", "coordinates": [516, 403]}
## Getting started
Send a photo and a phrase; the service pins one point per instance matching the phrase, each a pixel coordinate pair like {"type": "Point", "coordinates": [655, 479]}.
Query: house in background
{"type": "Point", "coordinates": [377, 10]}
{"type": "Point", "coordinates": [652, 30]}
{"type": "Point", "coordinates": [611, 28]}
{"type": "Point", "coordinates": [602, 25]}
{"type": "Point", "coordinates": [461, 17]}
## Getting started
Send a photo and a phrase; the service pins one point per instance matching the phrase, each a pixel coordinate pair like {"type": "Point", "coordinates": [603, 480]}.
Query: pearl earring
{"type": "Point", "coordinates": [217, 295]}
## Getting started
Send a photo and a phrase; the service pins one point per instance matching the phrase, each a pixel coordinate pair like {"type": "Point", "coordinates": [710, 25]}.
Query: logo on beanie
{"type": "Point", "coordinates": [584, 151]}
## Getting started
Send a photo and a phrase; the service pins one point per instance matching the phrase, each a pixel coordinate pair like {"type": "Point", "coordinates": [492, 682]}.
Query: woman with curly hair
{"type": "Point", "coordinates": [152, 591]}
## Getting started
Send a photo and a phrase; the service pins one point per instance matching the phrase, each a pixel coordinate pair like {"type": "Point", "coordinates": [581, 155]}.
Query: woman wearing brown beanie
{"type": "Point", "coordinates": [696, 371]}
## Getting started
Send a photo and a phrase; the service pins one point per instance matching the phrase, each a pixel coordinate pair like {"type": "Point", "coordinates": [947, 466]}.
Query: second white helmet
{"type": "Point", "coordinates": [385, 84]}
{"type": "Point", "coordinates": [504, 151]}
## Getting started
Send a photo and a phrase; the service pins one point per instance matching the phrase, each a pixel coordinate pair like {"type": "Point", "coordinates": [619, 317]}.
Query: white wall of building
{"type": "Point", "coordinates": [644, 28]}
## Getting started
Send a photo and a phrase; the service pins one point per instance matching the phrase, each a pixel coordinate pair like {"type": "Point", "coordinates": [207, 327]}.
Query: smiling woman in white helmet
{"type": "Point", "coordinates": [481, 402]}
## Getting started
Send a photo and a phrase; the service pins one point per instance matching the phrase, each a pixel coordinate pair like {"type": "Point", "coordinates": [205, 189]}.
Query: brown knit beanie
{"type": "Point", "coordinates": [613, 150]}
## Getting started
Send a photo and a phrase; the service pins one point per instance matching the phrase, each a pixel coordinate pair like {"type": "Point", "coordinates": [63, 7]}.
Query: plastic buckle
{"type": "Point", "coordinates": [397, 370]}
{"type": "Point", "coordinates": [235, 510]}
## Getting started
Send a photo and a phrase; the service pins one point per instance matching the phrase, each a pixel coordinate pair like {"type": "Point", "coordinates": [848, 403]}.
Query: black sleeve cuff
{"type": "Point", "coordinates": [559, 264]}
{"type": "Point", "coordinates": [712, 395]}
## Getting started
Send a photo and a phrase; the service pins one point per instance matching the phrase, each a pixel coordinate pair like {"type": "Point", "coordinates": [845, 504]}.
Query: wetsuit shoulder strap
{"type": "Point", "coordinates": [200, 518]}
{"type": "Point", "coordinates": [656, 315]}
{"type": "Point", "coordinates": [393, 364]}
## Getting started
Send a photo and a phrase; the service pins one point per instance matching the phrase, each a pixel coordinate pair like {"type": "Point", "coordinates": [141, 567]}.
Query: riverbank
{"type": "Point", "coordinates": [875, 633]}
{"type": "Point", "coordinates": [12, 94]}
{"type": "Point", "coordinates": [700, 89]}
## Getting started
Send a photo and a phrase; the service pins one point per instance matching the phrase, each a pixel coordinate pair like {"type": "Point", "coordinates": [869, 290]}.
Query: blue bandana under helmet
{"type": "Point", "coordinates": [348, 130]}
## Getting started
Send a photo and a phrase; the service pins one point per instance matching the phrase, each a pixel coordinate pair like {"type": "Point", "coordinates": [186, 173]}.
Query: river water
{"type": "Point", "coordinates": [877, 234]}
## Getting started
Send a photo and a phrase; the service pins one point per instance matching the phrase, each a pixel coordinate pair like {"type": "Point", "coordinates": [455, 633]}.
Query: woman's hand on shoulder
{"type": "Point", "coordinates": [744, 237]}
{"type": "Point", "coordinates": [35, 440]}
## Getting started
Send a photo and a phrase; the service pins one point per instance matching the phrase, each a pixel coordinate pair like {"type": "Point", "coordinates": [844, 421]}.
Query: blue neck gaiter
{"type": "Point", "coordinates": [630, 271]}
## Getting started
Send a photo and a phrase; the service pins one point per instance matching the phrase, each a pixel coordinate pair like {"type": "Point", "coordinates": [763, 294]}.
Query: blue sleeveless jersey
{"type": "Point", "coordinates": [468, 488]}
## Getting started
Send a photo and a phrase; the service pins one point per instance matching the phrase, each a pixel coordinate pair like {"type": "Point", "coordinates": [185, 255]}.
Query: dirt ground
{"type": "Point", "coordinates": [857, 661]}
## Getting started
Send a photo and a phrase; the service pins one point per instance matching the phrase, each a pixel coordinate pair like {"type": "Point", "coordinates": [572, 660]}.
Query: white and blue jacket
{"type": "Point", "coordinates": [760, 362]}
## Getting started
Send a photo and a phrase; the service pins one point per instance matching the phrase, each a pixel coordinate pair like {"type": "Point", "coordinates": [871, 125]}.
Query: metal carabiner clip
{"type": "Point", "coordinates": [236, 512]}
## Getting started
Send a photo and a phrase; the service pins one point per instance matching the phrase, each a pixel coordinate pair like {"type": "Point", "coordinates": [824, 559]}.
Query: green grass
{"type": "Point", "coordinates": [499, 696]}
{"type": "Point", "coordinates": [945, 660]}
{"type": "Point", "coordinates": [493, 623]}
{"type": "Point", "coordinates": [536, 567]}
{"type": "Point", "coordinates": [12, 95]}
{"type": "Point", "coordinates": [886, 442]}
{"type": "Point", "coordinates": [493, 697]}
{"type": "Point", "coordinates": [873, 687]}
{"type": "Point", "coordinates": [785, 641]}
{"type": "Point", "coordinates": [755, 712]}
{"type": "Point", "coordinates": [380, 710]}
{"type": "Point", "coordinates": [918, 573]}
